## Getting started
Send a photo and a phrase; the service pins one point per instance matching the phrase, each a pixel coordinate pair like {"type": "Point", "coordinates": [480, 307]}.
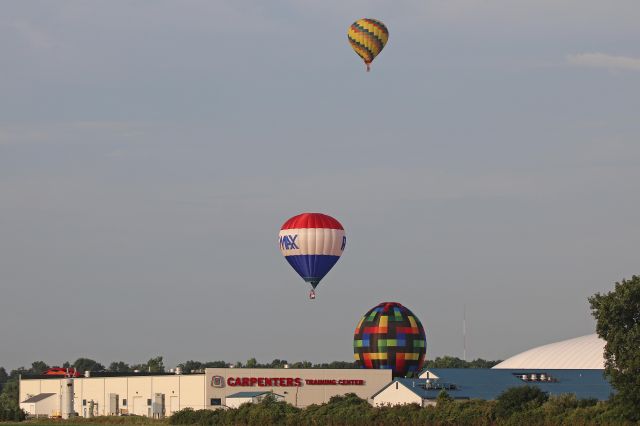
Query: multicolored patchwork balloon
{"type": "Point", "coordinates": [368, 37]}
{"type": "Point", "coordinates": [390, 336]}
{"type": "Point", "coordinates": [312, 243]}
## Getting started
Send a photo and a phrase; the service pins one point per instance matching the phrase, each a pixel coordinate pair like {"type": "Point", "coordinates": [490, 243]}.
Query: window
{"type": "Point", "coordinates": [216, 401]}
{"type": "Point", "coordinates": [84, 402]}
{"type": "Point", "coordinates": [124, 402]}
{"type": "Point", "coordinates": [149, 402]}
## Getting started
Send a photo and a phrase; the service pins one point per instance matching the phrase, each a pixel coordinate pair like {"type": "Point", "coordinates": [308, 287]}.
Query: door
{"type": "Point", "coordinates": [139, 406]}
{"type": "Point", "coordinates": [174, 404]}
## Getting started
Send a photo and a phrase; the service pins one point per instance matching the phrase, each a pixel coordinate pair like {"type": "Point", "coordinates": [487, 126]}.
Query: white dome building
{"type": "Point", "coordinates": [584, 353]}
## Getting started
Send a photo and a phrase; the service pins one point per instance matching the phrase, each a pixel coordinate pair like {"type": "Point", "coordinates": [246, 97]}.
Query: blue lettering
{"type": "Point", "coordinates": [344, 242]}
{"type": "Point", "coordinates": [293, 241]}
{"type": "Point", "coordinates": [288, 242]}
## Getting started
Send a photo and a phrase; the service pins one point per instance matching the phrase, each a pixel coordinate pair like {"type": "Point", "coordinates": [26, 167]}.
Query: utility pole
{"type": "Point", "coordinates": [464, 332]}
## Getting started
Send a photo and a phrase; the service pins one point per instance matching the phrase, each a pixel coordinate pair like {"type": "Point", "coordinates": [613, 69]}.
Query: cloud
{"type": "Point", "coordinates": [602, 60]}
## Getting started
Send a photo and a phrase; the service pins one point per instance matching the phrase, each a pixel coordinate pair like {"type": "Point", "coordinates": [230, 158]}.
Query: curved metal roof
{"type": "Point", "coordinates": [585, 353]}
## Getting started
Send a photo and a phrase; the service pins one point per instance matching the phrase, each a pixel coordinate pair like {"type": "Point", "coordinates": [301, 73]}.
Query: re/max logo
{"type": "Point", "coordinates": [288, 242]}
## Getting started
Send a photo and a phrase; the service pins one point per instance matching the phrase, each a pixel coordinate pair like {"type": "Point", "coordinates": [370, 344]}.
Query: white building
{"type": "Point", "coordinates": [42, 405]}
{"type": "Point", "coordinates": [585, 353]}
{"type": "Point", "coordinates": [398, 393]}
{"type": "Point", "coordinates": [159, 395]}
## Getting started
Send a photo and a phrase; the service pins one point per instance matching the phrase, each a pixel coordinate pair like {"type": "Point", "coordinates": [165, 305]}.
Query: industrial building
{"type": "Point", "coordinates": [158, 395]}
{"type": "Point", "coordinates": [571, 366]}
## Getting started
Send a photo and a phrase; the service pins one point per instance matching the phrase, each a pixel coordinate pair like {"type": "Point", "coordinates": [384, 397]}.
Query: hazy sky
{"type": "Point", "coordinates": [151, 150]}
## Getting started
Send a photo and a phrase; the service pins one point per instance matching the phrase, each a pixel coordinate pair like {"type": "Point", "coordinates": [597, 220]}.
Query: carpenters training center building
{"type": "Point", "coordinates": [572, 366]}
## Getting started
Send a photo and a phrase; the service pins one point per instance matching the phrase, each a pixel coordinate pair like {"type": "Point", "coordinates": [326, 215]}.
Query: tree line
{"type": "Point", "coordinates": [523, 405]}
{"type": "Point", "coordinates": [156, 365]}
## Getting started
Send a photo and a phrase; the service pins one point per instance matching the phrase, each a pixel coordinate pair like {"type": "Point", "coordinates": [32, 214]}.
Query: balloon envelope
{"type": "Point", "coordinates": [390, 336]}
{"type": "Point", "coordinates": [312, 243]}
{"type": "Point", "coordinates": [368, 37]}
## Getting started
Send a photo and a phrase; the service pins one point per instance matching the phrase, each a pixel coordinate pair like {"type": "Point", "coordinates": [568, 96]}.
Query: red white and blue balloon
{"type": "Point", "coordinates": [312, 243]}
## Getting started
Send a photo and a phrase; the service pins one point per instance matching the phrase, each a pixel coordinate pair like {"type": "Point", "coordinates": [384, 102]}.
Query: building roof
{"type": "Point", "coordinates": [94, 374]}
{"type": "Point", "coordinates": [250, 394]}
{"type": "Point", "coordinates": [38, 397]}
{"type": "Point", "coordinates": [484, 383]}
{"type": "Point", "coordinates": [584, 352]}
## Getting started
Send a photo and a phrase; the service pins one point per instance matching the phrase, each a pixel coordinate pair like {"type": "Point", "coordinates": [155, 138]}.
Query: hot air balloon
{"type": "Point", "coordinates": [368, 37]}
{"type": "Point", "coordinates": [312, 243]}
{"type": "Point", "coordinates": [390, 336]}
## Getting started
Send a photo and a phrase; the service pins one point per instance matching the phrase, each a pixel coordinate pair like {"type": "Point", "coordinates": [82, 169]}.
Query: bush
{"type": "Point", "coordinates": [188, 416]}
{"type": "Point", "coordinates": [13, 414]}
{"type": "Point", "coordinates": [516, 406]}
{"type": "Point", "coordinates": [519, 399]}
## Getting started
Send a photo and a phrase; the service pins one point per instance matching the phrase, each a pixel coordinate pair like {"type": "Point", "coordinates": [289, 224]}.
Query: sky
{"type": "Point", "coordinates": [151, 150]}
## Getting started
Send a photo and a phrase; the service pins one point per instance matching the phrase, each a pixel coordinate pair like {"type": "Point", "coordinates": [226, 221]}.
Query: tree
{"type": "Point", "coordinates": [119, 367]}
{"type": "Point", "coordinates": [617, 315]}
{"type": "Point", "coordinates": [278, 363]}
{"type": "Point", "coordinates": [521, 398]}
{"type": "Point", "coordinates": [3, 377]}
{"type": "Point", "coordinates": [189, 366]}
{"type": "Point", "coordinates": [15, 374]}
{"type": "Point", "coordinates": [154, 365]}
{"type": "Point", "coordinates": [443, 398]}
{"type": "Point", "coordinates": [252, 363]}
{"type": "Point", "coordinates": [38, 367]}
{"type": "Point", "coordinates": [454, 362]}
{"type": "Point", "coordinates": [86, 364]}
{"type": "Point", "coordinates": [9, 396]}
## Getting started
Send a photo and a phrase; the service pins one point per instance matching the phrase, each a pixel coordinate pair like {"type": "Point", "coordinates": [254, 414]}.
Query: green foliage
{"type": "Point", "coordinates": [454, 362]}
{"type": "Point", "coordinates": [519, 399]}
{"type": "Point", "coordinates": [86, 364]}
{"type": "Point", "coordinates": [14, 414]}
{"type": "Point", "coordinates": [345, 409]}
{"type": "Point", "coordinates": [301, 364]}
{"type": "Point", "coordinates": [10, 393]}
{"type": "Point", "coordinates": [15, 374]}
{"type": "Point", "coordinates": [9, 407]}
{"type": "Point", "coordinates": [38, 367]}
{"type": "Point", "coordinates": [527, 407]}
{"type": "Point", "coordinates": [443, 398]}
{"type": "Point", "coordinates": [3, 377]}
{"type": "Point", "coordinates": [154, 365]}
{"type": "Point", "coordinates": [618, 322]}
{"type": "Point", "coordinates": [120, 367]}
{"type": "Point", "coordinates": [189, 366]}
